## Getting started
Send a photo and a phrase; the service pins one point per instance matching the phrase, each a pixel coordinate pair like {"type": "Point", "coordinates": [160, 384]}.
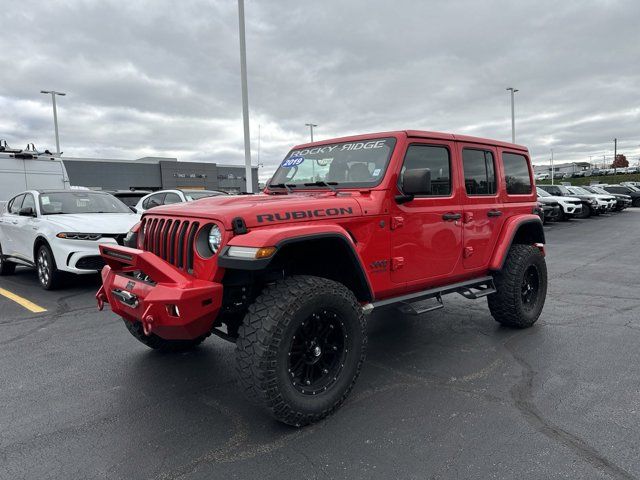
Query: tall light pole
{"type": "Point", "coordinates": [553, 172]}
{"type": "Point", "coordinates": [513, 114]}
{"type": "Point", "coordinates": [311, 125]}
{"type": "Point", "coordinates": [53, 94]}
{"type": "Point", "coordinates": [245, 98]}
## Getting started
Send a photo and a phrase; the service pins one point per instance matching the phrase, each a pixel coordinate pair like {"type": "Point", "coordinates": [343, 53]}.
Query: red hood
{"type": "Point", "coordinates": [263, 210]}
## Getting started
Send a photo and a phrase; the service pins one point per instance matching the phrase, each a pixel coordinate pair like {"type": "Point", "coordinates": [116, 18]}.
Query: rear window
{"type": "Point", "coordinates": [516, 174]}
{"type": "Point", "coordinates": [129, 199]}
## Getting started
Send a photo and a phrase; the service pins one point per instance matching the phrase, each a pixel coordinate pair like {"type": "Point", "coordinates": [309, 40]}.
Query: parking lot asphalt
{"type": "Point", "coordinates": [449, 394]}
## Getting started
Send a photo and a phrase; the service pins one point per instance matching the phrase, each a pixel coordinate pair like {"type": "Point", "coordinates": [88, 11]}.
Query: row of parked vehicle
{"type": "Point", "coordinates": [58, 232]}
{"type": "Point", "coordinates": [562, 202]}
{"type": "Point", "coordinates": [593, 172]}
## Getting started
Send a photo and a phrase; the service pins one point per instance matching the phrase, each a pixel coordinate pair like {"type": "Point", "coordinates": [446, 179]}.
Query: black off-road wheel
{"type": "Point", "coordinates": [301, 347]}
{"type": "Point", "coordinates": [158, 343]}
{"type": "Point", "coordinates": [49, 276]}
{"type": "Point", "coordinates": [521, 288]}
{"type": "Point", "coordinates": [6, 267]}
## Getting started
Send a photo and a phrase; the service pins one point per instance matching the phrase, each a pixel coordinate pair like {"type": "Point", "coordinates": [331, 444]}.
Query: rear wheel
{"type": "Point", "coordinates": [6, 267]}
{"type": "Point", "coordinates": [301, 347]}
{"type": "Point", "coordinates": [521, 288]}
{"type": "Point", "coordinates": [49, 276]}
{"type": "Point", "coordinates": [158, 343]}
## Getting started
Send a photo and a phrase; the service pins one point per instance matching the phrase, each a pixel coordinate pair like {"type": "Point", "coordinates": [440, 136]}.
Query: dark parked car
{"type": "Point", "coordinates": [548, 210]}
{"type": "Point", "coordinates": [129, 197]}
{"type": "Point", "coordinates": [635, 196]}
{"type": "Point", "coordinates": [622, 201]}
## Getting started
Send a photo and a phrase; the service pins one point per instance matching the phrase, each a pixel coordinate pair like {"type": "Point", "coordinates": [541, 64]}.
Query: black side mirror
{"type": "Point", "coordinates": [416, 181]}
{"type": "Point", "coordinates": [27, 212]}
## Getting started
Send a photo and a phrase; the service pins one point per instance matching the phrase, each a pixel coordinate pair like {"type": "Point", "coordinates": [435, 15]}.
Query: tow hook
{"type": "Point", "coordinates": [101, 298]}
{"type": "Point", "coordinates": [147, 321]}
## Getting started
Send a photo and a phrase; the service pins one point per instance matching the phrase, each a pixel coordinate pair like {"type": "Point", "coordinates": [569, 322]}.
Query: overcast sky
{"type": "Point", "coordinates": [162, 77]}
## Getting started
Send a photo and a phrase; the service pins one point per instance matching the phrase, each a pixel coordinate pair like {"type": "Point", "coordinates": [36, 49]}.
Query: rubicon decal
{"type": "Point", "coordinates": [300, 214]}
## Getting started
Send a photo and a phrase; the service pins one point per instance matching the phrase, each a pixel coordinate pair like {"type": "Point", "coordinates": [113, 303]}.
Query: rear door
{"type": "Point", "coordinates": [483, 209]}
{"type": "Point", "coordinates": [426, 233]}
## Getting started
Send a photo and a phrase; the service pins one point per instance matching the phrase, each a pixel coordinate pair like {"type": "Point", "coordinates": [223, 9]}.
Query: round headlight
{"type": "Point", "coordinates": [215, 238]}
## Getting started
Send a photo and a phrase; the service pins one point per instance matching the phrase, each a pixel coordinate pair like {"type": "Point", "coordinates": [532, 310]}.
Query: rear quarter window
{"type": "Point", "coordinates": [516, 174]}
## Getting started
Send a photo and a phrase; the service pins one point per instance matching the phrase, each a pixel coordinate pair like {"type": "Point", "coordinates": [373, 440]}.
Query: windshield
{"type": "Point", "coordinates": [633, 188]}
{"type": "Point", "coordinates": [542, 193]}
{"type": "Point", "coordinates": [198, 194]}
{"type": "Point", "coordinates": [563, 189]}
{"type": "Point", "coordinates": [60, 203]}
{"type": "Point", "coordinates": [348, 164]}
{"type": "Point", "coordinates": [579, 191]}
{"type": "Point", "coordinates": [597, 190]}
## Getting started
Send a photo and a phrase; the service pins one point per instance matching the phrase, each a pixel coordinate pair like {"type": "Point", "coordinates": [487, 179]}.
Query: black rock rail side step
{"type": "Point", "coordinates": [418, 307]}
{"type": "Point", "coordinates": [472, 289]}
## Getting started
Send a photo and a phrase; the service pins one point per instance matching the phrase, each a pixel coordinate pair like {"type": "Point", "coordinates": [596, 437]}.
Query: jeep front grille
{"type": "Point", "coordinates": [171, 239]}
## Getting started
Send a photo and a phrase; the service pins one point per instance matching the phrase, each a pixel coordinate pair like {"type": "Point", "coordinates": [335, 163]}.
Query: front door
{"type": "Point", "coordinates": [483, 214]}
{"type": "Point", "coordinates": [26, 231]}
{"type": "Point", "coordinates": [426, 232]}
{"type": "Point", "coordinates": [10, 222]}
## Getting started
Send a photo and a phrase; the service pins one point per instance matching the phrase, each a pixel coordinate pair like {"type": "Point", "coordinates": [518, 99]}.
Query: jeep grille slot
{"type": "Point", "coordinates": [172, 240]}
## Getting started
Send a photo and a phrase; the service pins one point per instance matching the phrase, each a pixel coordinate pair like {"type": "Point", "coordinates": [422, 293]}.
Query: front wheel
{"type": "Point", "coordinates": [301, 347]}
{"type": "Point", "coordinates": [49, 276]}
{"type": "Point", "coordinates": [521, 288]}
{"type": "Point", "coordinates": [586, 211]}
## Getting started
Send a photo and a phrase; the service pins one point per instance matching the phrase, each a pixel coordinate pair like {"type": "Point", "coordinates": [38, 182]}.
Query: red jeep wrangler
{"type": "Point", "coordinates": [345, 226]}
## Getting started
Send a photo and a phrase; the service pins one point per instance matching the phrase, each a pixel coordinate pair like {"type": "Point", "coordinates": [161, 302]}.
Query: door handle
{"type": "Point", "coordinates": [451, 216]}
{"type": "Point", "coordinates": [494, 213]}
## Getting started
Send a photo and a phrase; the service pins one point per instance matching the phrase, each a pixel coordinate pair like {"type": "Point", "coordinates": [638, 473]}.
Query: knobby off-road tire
{"type": "Point", "coordinates": [301, 347]}
{"type": "Point", "coordinates": [521, 288]}
{"type": "Point", "coordinates": [159, 343]}
{"type": "Point", "coordinates": [6, 267]}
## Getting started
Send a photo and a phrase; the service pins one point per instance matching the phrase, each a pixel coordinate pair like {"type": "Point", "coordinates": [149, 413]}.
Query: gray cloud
{"type": "Point", "coordinates": [162, 77]}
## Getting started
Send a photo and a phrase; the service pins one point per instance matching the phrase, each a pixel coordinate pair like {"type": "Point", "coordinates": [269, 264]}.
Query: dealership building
{"type": "Point", "coordinates": [156, 173]}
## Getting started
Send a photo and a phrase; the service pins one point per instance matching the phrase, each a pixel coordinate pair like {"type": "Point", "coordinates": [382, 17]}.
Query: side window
{"type": "Point", "coordinates": [29, 202]}
{"type": "Point", "coordinates": [516, 174]}
{"type": "Point", "coordinates": [479, 172]}
{"type": "Point", "coordinates": [435, 159]}
{"type": "Point", "coordinates": [153, 201]}
{"type": "Point", "coordinates": [171, 198]}
{"type": "Point", "coordinates": [16, 205]}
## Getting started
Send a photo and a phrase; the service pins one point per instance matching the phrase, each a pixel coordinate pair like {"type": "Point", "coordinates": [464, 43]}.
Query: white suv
{"type": "Point", "coordinates": [59, 231]}
{"type": "Point", "coordinates": [569, 206]}
{"type": "Point", "coordinates": [169, 197]}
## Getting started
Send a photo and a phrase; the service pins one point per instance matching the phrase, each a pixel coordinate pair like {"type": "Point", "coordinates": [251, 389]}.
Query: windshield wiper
{"type": "Point", "coordinates": [322, 183]}
{"type": "Point", "coordinates": [288, 186]}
